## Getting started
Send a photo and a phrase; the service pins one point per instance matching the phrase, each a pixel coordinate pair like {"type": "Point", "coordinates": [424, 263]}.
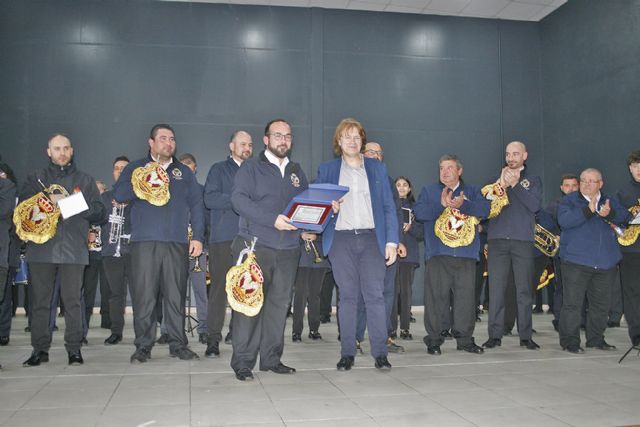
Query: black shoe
{"type": "Point", "coordinates": [382, 363]}
{"type": "Point", "coordinates": [315, 335]}
{"type": "Point", "coordinates": [4, 341]}
{"type": "Point", "coordinates": [434, 350]}
{"type": "Point", "coordinates": [359, 347]}
{"type": "Point", "coordinates": [471, 348]}
{"type": "Point", "coordinates": [36, 358]}
{"type": "Point", "coordinates": [345, 363]}
{"type": "Point", "coordinates": [244, 374]}
{"type": "Point", "coordinates": [393, 335]}
{"type": "Point", "coordinates": [55, 327]}
{"type": "Point", "coordinates": [203, 338]}
{"type": "Point", "coordinates": [227, 338]}
{"type": "Point", "coordinates": [530, 344]}
{"type": "Point", "coordinates": [164, 339]}
{"type": "Point", "coordinates": [537, 309]}
{"type": "Point", "coordinates": [492, 342]}
{"type": "Point", "coordinates": [611, 324]}
{"type": "Point", "coordinates": [405, 334]}
{"type": "Point", "coordinates": [575, 349]}
{"type": "Point", "coordinates": [507, 333]}
{"type": "Point", "coordinates": [603, 346]}
{"type": "Point", "coordinates": [213, 350]}
{"type": "Point", "coordinates": [27, 328]}
{"type": "Point", "coordinates": [446, 334]}
{"type": "Point", "coordinates": [325, 319]}
{"type": "Point", "coordinates": [75, 358]}
{"type": "Point", "coordinates": [141, 355]}
{"type": "Point", "coordinates": [280, 368]}
{"type": "Point", "coordinates": [184, 353]}
{"type": "Point", "coordinates": [113, 339]}
{"type": "Point", "coordinates": [84, 341]}
{"type": "Point", "coordinates": [411, 318]}
{"type": "Point", "coordinates": [296, 337]}
{"type": "Point", "coordinates": [478, 319]}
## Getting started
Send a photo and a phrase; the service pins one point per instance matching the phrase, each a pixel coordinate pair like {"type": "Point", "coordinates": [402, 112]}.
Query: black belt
{"type": "Point", "coordinates": [357, 231]}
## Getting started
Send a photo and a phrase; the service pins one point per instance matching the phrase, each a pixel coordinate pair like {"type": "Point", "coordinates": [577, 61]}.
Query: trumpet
{"type": "Point", "coordinates": [116, 219]}
{"type": "Point", "coordinates": [545, 241]}
{"type": "Point", "coordinates": [196, 264]}
{"type": "Point", "coordinates": [309, 245]}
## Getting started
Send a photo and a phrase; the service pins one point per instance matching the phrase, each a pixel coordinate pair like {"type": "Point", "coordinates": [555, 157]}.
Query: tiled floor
{"type": "Point", "coordinates": [509, 386]}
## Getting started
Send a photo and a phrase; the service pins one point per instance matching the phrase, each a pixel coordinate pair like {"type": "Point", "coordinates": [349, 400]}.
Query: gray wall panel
{"type": "Point", "coordinates": [104, 72]}
{"type": "Point", "coordinates": [590, 88]}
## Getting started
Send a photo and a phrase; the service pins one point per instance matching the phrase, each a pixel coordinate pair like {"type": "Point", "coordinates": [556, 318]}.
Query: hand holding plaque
{"type": "Point", "coordinates": [311, 209]}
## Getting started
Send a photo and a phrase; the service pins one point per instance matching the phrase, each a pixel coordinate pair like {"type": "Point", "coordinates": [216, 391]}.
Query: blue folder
{"type": "Point", "coordinates": [316, 197]}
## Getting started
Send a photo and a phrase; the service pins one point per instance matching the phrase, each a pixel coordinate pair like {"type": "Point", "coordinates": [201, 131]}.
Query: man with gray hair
{"type": "Point", "coordinates": [590, 253]}
{"type": "Point", "coordinates": [451, 210]}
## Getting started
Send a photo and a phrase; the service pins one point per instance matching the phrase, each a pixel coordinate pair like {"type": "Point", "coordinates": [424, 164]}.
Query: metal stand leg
{"type": "Point", "coordinates": [633, 347]}
{"type": "Point", "coordinates": [191, 322]}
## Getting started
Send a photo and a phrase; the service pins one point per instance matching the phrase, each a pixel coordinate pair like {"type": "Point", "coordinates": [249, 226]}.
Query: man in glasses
{"type": "Point", "coordinates": [590, 253]}
{"type": "Point", "coordinates": [263, 187]}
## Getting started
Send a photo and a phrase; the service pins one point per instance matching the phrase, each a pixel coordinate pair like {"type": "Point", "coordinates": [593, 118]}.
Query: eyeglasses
{"type": "Point", "coordinates": [590, 181]}
{"type": "Point", "coordinates": [375, 152]}
{"type": "Point", "coordinates": [280, 136]}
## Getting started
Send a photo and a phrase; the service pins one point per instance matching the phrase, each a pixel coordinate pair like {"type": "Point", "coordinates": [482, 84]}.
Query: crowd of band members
{"type": "Point", "coordinates": [369, 248]}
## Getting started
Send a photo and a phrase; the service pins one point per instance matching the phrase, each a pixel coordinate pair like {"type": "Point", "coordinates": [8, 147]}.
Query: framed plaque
{"type": "Point", "coordinates": [311, 209]}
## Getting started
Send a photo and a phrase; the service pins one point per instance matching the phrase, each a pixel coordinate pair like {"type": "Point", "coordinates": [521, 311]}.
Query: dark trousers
{"type": "Point", "coordinates": [596, 284]}
{"type": "Point", "coordinates": [402, 301]}
{"type": "Point", "coordinates": [159, 267]}
{"type": "Point", "coordinates": [43, 276]}
{"type": "Point", "coordinates": [557, 291]}
{"type": "Point", "coordinates": [105, 296]}
{"type": "Point", "coordinates": [505, 255]}
{"type": "Point", "coordinates": [630, 278]}
{"type": "Point", "coordinates": [306, 293]}
{"type": "Point", "coordinates": [510, 299]}
{"type": "Point", "coordinates": [445, 275]}
{"type": "Point", "coordinates": [90, 281]}
{"type": "Point", "coordinates": [388, 294]}
{"type": "Point", "coordinates": [326, 294]}
{"type": "Point", "coordinates": [6, 305]}
{"type": "Point", "coordinates": [359, 269]}
{"type": "Point", "coordinates": [615, 301]}
{"type": "Point", "coordinates": [264, 333]}
{"type": "Point", "coordinates": [117, 273]}
{"type": "Point", "coordinates": [220, 260]}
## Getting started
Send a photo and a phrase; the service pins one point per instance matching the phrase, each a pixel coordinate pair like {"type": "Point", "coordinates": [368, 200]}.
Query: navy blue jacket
{"type": "Point", "coordinates": [7, 203]}
{"type": "Point", "coordinates": [385, 213]}
{"type": "Point", "coordinates": [517, 220]}
{"type": "Point", "coordinates": [109, 249]}
{"type": "Point", "coordinates": [168, 223]}
{"type": "Point", "coordinates": [223, 220]}
{"type": "Point", "coordinates": [629, 196]}
{"type": "Point", "coordinates": [428, 208]}
{"type": "Point", "coordinates": [410, 239]}
{"type": "Point", "coordinates": [586, 238]}
{"type": "Point", "coordinates": [260, 194]}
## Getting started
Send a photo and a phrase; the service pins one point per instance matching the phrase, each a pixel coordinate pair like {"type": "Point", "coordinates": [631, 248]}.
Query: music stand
{"type": "Point", "coordinates": [633, 347]}
{"type": "Point", "coordinates": [189, 325]}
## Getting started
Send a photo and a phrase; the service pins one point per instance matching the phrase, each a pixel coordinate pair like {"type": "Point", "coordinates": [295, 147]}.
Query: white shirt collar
{"type": "Point", "coordinates": [276, 161]}
{"type": "Point", "coordinates": [589, 198]}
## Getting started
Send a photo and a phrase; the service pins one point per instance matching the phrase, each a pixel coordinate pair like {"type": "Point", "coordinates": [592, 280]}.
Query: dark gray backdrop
{"type": "Point", "coordinates": [105, 71]}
